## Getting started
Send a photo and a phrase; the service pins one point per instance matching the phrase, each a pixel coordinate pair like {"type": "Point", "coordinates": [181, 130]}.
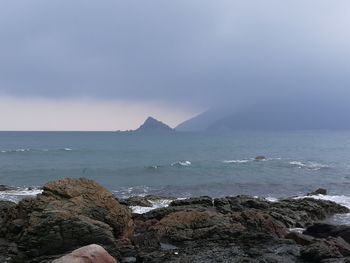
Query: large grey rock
{"type": "Point", "coordinates": [88, 254]}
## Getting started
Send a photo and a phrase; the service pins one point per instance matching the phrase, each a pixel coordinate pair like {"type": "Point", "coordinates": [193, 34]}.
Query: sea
{"type": "Point", "coordinates": [182, 164]}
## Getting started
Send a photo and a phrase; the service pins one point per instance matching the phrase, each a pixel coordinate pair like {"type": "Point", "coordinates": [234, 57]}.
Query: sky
{"type": "Point", "coordinates": [107, 65]}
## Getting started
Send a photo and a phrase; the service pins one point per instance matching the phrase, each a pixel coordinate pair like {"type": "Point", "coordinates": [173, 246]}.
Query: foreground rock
{"type": "Point", "coordinates": [235, 229]}
{"type": "Point", "coordinates": [69, 214]}
{"type": "Point", "coordinates": [73, 213]}
{"type": "Point", "coordinates": [88, 254]}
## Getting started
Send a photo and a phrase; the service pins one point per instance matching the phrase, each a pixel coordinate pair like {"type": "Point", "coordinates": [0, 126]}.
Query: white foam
{"type": "Point", "coordinates": [16, 150]}
{"type": "Point", "coordinates": [236, 161]}
{"type": "Point", "coordinates": [155, 204]}
{"type": "Point", "coordinates": [17, 195]}
{"type": "Point", "coordinates": [297, 229]}
{"type": "Point", "coordinates": [309, 165]}
{"type": "Point", "coordinates": [271, 199]}
{"type": "Point", "coordinates": [182, 163]}
{"type": "Point", "coordinates": [67, 149]}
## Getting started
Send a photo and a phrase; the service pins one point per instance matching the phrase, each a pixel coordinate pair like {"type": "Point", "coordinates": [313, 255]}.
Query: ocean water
{"type": "Point", "coordinates": [181, 164]}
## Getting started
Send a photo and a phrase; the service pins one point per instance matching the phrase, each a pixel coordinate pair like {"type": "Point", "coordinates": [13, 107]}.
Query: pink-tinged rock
{"type": "Point", "coordinates": [88, 254]}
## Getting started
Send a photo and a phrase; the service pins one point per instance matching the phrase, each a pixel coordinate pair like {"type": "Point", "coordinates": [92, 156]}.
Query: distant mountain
{"type": "Point", "coordinates": [202, 121]}
{"type": "Point", "coordinates": [153, 125]}
{"type": "Point", "coordinates": [291, 114]}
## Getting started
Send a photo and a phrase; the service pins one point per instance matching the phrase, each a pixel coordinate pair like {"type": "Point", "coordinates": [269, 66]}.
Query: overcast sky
{"type": "Point", "coordinates": [106, 65]}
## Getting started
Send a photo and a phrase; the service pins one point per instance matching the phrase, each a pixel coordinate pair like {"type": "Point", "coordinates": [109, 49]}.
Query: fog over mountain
{"type": "Point", "coordinates": [189, 55]}
{"type": "Point", "coordinates": [291, 114]}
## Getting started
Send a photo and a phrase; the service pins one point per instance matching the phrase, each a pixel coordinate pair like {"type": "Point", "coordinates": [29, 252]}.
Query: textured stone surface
{"type": "Point", "coordinates": [88, 254]}
{"type": "Point", "coordinates": [70, 213]}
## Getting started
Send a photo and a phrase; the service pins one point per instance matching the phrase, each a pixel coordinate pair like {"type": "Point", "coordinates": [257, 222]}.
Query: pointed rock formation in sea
{"type": "Point", "coordinates": [152, 125]}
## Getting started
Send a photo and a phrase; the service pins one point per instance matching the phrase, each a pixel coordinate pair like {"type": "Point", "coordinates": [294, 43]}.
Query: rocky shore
{"type": "Point", "coordinates": [78, 221]}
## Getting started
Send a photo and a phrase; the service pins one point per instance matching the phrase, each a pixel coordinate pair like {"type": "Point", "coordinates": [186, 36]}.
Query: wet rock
{"type": "Point", "coordinates": [7, 213]}
{"type": "Point", "coordinates": [136, 201]}
{"type": "Point", "coordinates": [319, 191]}
{"type": "Point", "coordinates": [299, 238]}
{"type": "Point", "coordinates": [260, 158]}
{"type": "Point", "coordinates": [194, 225]}
{"type": "Point", "coordinates": [6, 188]}
{"type": "Point", "coordinates": [259, 221]}
{"type": "Point", "coordinates": [321, 249]}
{"type": "Point", "coordinates": [70, 213]}
{"type": "Point", "coordinates": [88, 254]}
{"type": "Point", "coordinates": [304, 211]}
{"type": "Point", "coordinates": [322, 230]}
{"type": "Point", "coordinates": [204, 201]}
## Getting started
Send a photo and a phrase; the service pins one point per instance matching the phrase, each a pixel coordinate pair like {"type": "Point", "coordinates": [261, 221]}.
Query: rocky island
{"type": "Point", "coordinates": [152, 125]}
{"type": "Point", "coordinates": [77, 220]}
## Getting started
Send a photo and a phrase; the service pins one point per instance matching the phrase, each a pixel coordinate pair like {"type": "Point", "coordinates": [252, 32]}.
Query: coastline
{"type": "Point", "coordinates": [196, 229]}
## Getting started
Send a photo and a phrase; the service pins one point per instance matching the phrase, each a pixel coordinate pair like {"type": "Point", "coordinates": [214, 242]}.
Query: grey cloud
{"type": "Point", "coordinates": [197, 51]}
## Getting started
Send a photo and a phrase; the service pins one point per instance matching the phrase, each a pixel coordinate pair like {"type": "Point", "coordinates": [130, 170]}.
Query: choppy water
{"type": "Point", "coordinates": [181, 164]}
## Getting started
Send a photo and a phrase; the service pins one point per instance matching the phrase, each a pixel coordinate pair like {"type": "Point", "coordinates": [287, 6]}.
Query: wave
{"type": "Point", "coordinates": [18, 194]}
{"type": "Point", "coordinates": [309, 165]}
{"type": "Point", "coordinates": [237, 161]}
{"type": "Point", "coordinates": [26, 150]}
{"type": "Point", "coordinates": [155, 204]}
{"type": "Point", "coordinates": [182, 163]}
{"type": "Point", "coordinates": [16, 150]}
{"type": "Point", "coordinates": [67, 149]}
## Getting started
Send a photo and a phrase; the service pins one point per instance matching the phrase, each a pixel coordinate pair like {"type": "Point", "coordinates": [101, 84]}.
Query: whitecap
{"type": "Point", "coordinates": [18, 194]}
{"type": "Point", "coordinates": [67, 149]}
{"type": "Point", "coordinates": [182, 163]}
{"type": "Point", "coordinates": [297, 230]}
{"type": "Point", "coordinates": [271, 199]}
{"type": "Point", "coordinates": [16, 150]}
{"type": "Point", "coordinates": [155, 204]}
{"type": "Point", "coordinates": [236, 161]}
{"type": "Point", "coordinates": [309, 165]}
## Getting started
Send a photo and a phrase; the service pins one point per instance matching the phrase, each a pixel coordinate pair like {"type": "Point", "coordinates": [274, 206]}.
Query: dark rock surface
{"type": "Point", "coordinates": [73, 213]}
{"type": "Point", "coordinates": [232, 229]}
{"type": "Point", "coordinates": [260, 158]}
{"type": "Point", "coordinates": [6, 188]}
{"type": "Point", "coordinates": [322, 230]}
{"type": "Point", "coordinates": [319, 191]}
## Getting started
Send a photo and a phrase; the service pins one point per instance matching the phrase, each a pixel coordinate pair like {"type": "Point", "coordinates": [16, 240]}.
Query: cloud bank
{"type": "Point", "coordinates": [192, 53]}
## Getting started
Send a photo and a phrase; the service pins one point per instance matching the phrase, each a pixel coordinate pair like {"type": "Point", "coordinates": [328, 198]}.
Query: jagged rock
{"type": "Point", "coordinates": [88, 254]}
{"type": "Point", "coordinates": [194, 225]}
{"type": "Point", "coordinates": [321, 249]}
{"type": "Point", "coordinates": [204, 201]}
{"type": "Point", "coordinates": [70, 213]}
{"type": "Point", "coordinates": [300, 238]}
